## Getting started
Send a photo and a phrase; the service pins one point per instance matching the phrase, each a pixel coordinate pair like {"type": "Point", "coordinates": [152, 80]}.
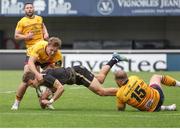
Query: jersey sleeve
{"type": "Point", "coordinates": [19, 26]}
{"type": "Point", "coordinates": [42, 19]}
{"type": "Point", "coordinates": [48, 80]}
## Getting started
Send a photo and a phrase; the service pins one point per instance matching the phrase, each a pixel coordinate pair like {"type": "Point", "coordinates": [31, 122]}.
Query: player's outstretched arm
{"type": "Point", "coordinates": [33, 68]}
{"type": "Point", "coordinates": [59, 90]}
{"type": "Point", "coordinates": [19, 36]}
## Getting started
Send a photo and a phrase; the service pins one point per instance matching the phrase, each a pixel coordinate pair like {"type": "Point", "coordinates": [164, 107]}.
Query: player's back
{"type": "Point", "coordinates": [138, 94]}
{"type": "Point", "coordinates": [64, 75]}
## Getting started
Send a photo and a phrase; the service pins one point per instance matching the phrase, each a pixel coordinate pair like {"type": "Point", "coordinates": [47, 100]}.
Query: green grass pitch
{"type": "Point", "coordinates": [79, 107]}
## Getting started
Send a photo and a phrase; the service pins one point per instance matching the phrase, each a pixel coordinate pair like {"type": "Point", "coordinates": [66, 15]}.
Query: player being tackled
{"type": "Point", "coordinates": [56, 78]}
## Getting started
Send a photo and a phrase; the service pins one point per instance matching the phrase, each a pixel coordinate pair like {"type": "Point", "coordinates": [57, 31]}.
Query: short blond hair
{"type": "Point", "coordinates": [55, 42]}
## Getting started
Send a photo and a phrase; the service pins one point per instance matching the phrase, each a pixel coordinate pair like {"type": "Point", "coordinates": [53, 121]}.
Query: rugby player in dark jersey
{"type": "Point", "coordinates": [56, 78]}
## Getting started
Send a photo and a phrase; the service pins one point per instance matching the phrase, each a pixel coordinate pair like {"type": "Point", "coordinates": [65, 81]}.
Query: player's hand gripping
{"type": "Point", "coordinates": [39, 77]}
{"type": "Point", "coordinates": [47, 102]}
{"type": "Point", "coordinates": [29, 36]}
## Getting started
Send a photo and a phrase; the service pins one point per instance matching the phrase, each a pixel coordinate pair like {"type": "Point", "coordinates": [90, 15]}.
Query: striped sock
{"type": "Point", "coordinates": [167, 80]}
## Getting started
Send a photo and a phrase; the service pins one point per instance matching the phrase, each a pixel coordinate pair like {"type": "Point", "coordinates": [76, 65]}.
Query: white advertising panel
{"type": "Point", "coordinates": [136, 63]}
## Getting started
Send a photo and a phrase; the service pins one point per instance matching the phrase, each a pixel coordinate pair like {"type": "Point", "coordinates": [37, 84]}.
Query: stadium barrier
{"type": "Point", "coordinates": [139, 60]}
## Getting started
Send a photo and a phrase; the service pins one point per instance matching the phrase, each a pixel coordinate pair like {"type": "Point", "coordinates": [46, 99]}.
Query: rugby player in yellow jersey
{"type": "Point", "coordinates": [137, 93]}
{"type": "Point", "coordinates": [30, 28]}
{"type": "Point", "coordinates": [43, 54]}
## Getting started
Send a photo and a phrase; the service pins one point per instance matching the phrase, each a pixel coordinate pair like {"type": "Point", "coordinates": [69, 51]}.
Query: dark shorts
{"type": "Point", "coordinates": [37, 63]}
{"type": "Point", "coordinates": [83, 76]}
{"type": "Point", "coordinates": [72, 75]}
{"type": "Point", "coordinates": [161, 100]}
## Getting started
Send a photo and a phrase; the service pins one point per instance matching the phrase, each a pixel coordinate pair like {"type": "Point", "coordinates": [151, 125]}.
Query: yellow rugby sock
{"type": "Point", "coordinates": [167, 80]}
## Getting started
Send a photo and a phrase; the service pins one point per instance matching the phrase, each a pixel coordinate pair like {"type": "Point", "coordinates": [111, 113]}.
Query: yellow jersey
{"type": "Point", "coordinates": [39, 51]}
{"type": "Point", "coordinates": [34, 25]}
{"type": "Point", "coordinates": [138, 94]}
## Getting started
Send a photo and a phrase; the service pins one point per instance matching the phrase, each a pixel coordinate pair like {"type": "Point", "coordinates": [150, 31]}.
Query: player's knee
{"type": "Point", "coordinates": [156, 79]}
{"type": "Point", "coordinates": [156, 76]}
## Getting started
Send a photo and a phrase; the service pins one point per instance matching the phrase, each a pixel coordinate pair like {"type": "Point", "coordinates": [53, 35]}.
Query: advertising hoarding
{"type": "Point", "coordinates": [94, 7]}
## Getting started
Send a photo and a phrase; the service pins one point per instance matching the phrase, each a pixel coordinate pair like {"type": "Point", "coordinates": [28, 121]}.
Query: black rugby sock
{"type": "Point", "coordinates": [112, 62]}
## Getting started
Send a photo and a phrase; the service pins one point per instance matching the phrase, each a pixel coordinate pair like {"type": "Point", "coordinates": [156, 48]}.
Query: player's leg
{"type": "Point", "coordinates": [86, 78]}
{"type": "Point", "coordinates": [22, 88]}
{"type": "Point", "coordinates": [155, 80]}
{"type": "Point", "coordinates": [19, 95]}
{"type": "Point", "coordinates": [101, 76]}
{"type": "Point", "coordinates": [20, 92]}
{"type": "Point", "coordinates": [169, 81]}
{"type": "Point", "coordinates": [164, 79]}
{"type": "Point", "coordinates": [155, 83]}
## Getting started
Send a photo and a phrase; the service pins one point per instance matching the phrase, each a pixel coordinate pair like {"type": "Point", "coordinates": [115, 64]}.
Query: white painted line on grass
{"type": "Point", "coordinates": [88, 115]}
{"type": "Point", "coordinates": [7, 92]}
{"type": "Point", "coordinates": [76, 87]}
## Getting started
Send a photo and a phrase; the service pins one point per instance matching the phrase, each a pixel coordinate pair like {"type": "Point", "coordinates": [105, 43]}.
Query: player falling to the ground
{"type": "Point", "coordinates": [135, 92]}
{"type": "Point", "coordinates": [55, 78]}
{"type": "Point", "coordinates": [74, 75]}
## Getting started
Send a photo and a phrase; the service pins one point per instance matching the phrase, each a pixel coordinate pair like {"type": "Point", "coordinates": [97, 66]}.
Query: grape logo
{"type": "Point", "coordinates": [39, 6]}
{"type": "Point", "coordinates": [61, 7]}
{"type": "Point", "coordinates": [11, 7]}
{"type": "Point", "coordinates": [105, 7]}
